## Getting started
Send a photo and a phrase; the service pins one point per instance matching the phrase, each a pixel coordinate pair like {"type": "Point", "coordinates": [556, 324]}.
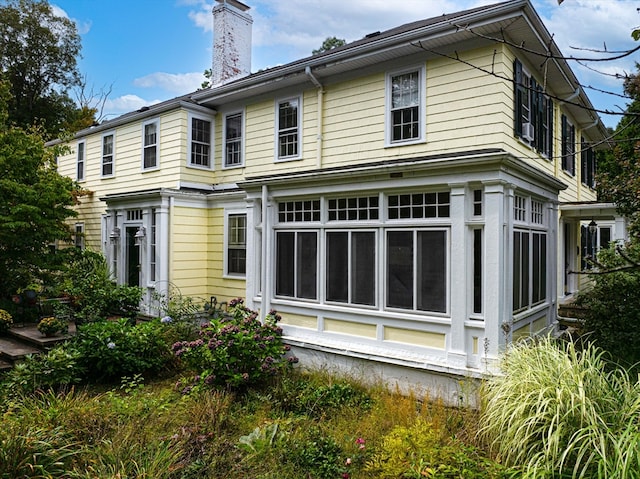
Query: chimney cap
{"type": "Point", "coordinates": [235, 3]}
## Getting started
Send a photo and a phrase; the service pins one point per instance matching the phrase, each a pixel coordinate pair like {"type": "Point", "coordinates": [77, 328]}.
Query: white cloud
{"type": "Point", "coordinates": [175, 83]}
{"type": "Point", "coordinates": [124, 104]}
{"type": "Point", "coordinates": [83, 27]}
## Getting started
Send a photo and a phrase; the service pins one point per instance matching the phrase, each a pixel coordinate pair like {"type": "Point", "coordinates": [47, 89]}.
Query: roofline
{"type": "Point", "coordinates": [347, 53]}
{"type": "Point", "coordinates": [481, 158]}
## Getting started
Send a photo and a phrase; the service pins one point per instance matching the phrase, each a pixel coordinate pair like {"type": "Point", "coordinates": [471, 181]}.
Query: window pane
{"type": "Point", "coordinates": [400, 269]}
{"type": "Point", "coordinates": [338, 267]}
{"type": "Point", "coordinates": [432, 271]}
{"type": "Point", "coordinates": [363, 275]}
{"type": "Point", "coordinates": [306, 265]}
{"type": "Point", "coordinates": [517, 269]}
{"type": "Point", "coordinates": [477, 271]}
{"type": "Point", "coordinates": [285, 261]}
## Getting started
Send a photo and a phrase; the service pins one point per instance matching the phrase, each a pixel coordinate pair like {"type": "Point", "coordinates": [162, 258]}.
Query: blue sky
{"type": "Point", "coordinates": [147, 51]}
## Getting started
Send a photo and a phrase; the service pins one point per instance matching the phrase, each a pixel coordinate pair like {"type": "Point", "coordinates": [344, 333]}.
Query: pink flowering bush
{"type": "Point", "coordinates": [235, 350]}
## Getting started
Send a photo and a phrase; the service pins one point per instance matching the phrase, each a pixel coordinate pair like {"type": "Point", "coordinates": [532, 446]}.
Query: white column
{"type": "Point", "coordinates": [497, 271]}
{"type": "Point", "coordinates": [457, 354]}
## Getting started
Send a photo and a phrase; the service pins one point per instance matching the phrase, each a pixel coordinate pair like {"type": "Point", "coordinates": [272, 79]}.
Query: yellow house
{"type": "Point", "coordinates": [413, 199]}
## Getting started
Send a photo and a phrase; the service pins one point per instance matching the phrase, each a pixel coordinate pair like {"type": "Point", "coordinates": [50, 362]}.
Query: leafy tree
{"type": "Point", "coordinates": [329, 44]}
{"type": "Point", "coordinates": [38, 52]}
{"type": "Point", "coordinates": [35, 202]}
{"type": "Point", "coordinates": [619, 168]}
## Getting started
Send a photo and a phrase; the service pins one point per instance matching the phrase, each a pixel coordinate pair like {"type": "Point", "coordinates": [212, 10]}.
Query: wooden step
{"type": "Point", "coordinates": [5, 365]}
{"type": "Point", "coordinates": [13, 349]}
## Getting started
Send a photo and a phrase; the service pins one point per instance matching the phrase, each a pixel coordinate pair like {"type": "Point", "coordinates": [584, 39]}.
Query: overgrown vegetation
{"type": "Point", "coordinates": [612, 319]}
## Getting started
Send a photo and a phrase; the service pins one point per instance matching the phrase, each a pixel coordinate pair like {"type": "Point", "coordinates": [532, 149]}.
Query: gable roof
{"type": "Point", "coordinates": [514, 20]}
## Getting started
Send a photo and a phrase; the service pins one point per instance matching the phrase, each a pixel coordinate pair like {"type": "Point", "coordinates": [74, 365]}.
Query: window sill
{"type": "Point", "coordinates": [287, 159]}
{"type": "Point", "coordinates": [396, 144]}
{"type": "Point", "coordinates": [200, 167]}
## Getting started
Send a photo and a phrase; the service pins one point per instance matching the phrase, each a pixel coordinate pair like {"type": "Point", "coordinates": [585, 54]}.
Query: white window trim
{"type": "Point", "coordinates": [242, 137]}
{"type": "Point", "coordinates": [113, 155]}
{"type": "Point", "coordinates": [84, 160]}
{"type": "Point", "coordinates": [157, 145]}
{"type": "Point", "coordinates": [422, 83]}
{"type": "Point", "coordinates": [278, 101]}
{"type": "Point", "coordinates": [79, 242]}
{"type": "Point", "coordinates": [211, 120]}
{"type": "Point", "coordinates": [228, 213]}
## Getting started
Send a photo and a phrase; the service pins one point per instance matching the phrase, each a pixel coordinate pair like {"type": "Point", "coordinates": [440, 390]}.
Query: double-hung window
{"type": "Point", "coordinates": [80, 161]}
{"type": "Point", "coordinates": [150, 145]}
{"type": "Point", "coordinates": [288, 121]}
{"type": "Point", "coordinates": [200, 142]}
{"type": "Point", "coordinates": [529, 253]}
{"type": "Point", "coordinates": [405, 110]}
{"type": "Point", "coordinates": [107, 154]}
{"type": "Point", "coordinates": [233, 139]}
{"type": "Point", "coordinates": [568, 146]}
{"type": "Point", "coordinates": [588, 161]}
{"type": "Point", "coordinates": [533, 116]}
{"type": "Point", "coordinates": [236, 244]}
{"type": "Point", "coordinates": [79, 236]}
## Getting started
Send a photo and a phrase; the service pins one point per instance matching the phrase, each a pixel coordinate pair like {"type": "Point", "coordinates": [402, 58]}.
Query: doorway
{"type": "Point", "coordinates": [132, 257]}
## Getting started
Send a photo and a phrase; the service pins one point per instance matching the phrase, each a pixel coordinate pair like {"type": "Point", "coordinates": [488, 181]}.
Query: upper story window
{"type": "Point", "coordinates": [80, 161]}
{"type": "Point", "coordinates": [200, 142]}
{"type": "Point", "coordinates": [233, 139]}
{"type": "Point", "coordinates": [288, 121]}
{"type": "Point", "coordinates": [107, 154]}
{"type": "Point", "coordinates": [405, 111]}
{"type": "Point", "coordinates": [568, 146]}
{"type": "Point", "coordinates": [150, 145]}
{"type": "Point", "coordinates": [588, 160]}
{"type": "Point", "coordinates": [533, 112]}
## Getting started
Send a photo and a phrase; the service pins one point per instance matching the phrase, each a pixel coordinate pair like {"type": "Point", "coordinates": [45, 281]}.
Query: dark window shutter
{"type": "Point", "coordinates": [519, 91]}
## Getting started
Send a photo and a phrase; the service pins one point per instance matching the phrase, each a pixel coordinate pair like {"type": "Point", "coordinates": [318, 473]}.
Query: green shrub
{"type": "Point", "coordinates": [113, 349]}
{"type": "Point", "coordinates": [235, 350]}
{"type": "Point", "coordinates": [59, 366]}
{"type": "Point", "coordinates": [421, 450]}
{"type": "Point", "coordinates": [315, 453]}
{"type": "Point", "coordinates": [563, 412]}
{"type": "Point", "coordinates": [301, 395]}
{"type": "Point", "coordinates": [612, 318]}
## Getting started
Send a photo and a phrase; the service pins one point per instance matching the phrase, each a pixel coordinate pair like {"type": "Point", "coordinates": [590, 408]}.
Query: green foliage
{"type": "Point", "coordinates": [35, 452]}
{"type": "Point", "coordinates": [301, 395]}
{"type": "Point", "coordinates": [38, 53]}
{"type": "Point", "coordinates": [563, 412]}
{"type": "Point", "coordinates": [35, 203]}
{"type": "Point", "coordinates": [261, 439]}
{"type": "Point", "coordinates": [113, 349]}
{"type": "Point", "coordinates": [58, 367]}
{"type": "Point", "coordinates": [235, 350]}
{"type": "Point", "coordinates": [612, 318]}
{"type": "Point", "coordinates": [316, 453]}
{"type": "Point", "coordinates": [420, 450]}
{"type": "Point", "coordinates": [93, 292]}
{"type": "Point", "coordinates": [52, 325]}
{"type": "Point", "coordinates": [6, 320]}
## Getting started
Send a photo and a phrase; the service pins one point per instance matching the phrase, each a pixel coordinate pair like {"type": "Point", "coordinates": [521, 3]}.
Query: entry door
{"type": "Point", "coordinates": [133, 257]}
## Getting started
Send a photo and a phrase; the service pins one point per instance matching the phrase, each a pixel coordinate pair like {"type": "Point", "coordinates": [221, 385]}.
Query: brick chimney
{"type": "Point", "coordinates": [231, 41]}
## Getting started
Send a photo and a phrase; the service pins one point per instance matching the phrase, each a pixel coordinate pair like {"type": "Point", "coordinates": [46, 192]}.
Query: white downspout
{"type": "Point", "coordinates": [320, 117]}
{"type": "Point", "coordinates": [265, 277]}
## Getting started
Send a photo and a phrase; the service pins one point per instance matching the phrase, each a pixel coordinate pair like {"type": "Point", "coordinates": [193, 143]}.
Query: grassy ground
{"type": "Point", "coordinates": [305, 425]}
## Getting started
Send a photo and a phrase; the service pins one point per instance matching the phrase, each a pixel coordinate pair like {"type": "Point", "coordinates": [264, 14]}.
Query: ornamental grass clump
{"type": "Point", "coordinates": [560, 411]}
{"type": "Point", "coordinates": [235, 350]}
